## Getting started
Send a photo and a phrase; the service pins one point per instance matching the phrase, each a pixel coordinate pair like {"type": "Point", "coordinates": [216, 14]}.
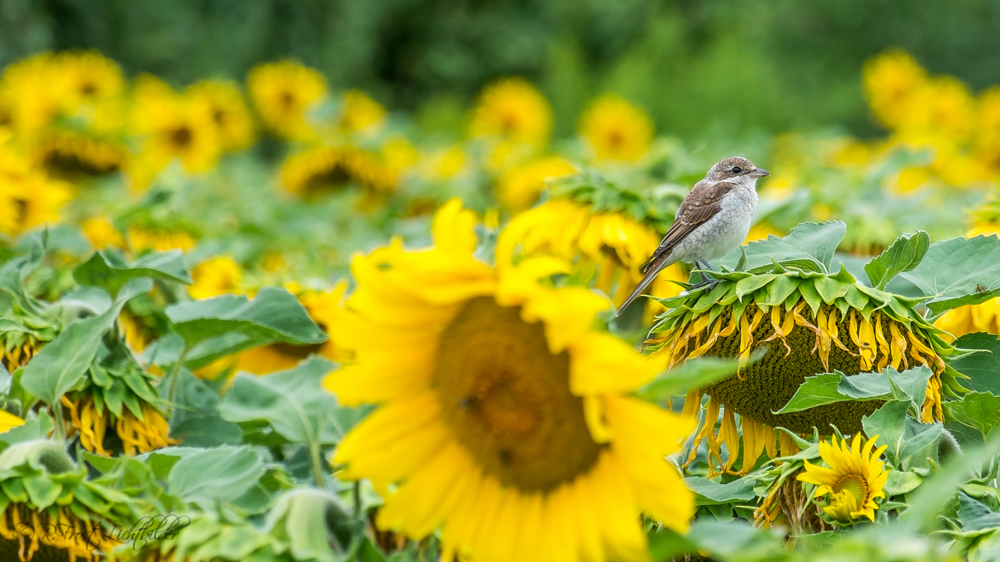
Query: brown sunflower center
{"type": "Point", "coordinates": [181, 137]}
{"type": "Point", "coordinates": [507, 398]}
{"type": "Point", "coordinates": [855, 484]}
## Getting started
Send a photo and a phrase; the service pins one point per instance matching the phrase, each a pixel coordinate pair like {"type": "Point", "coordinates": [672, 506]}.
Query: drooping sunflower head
{"type": "Point", "coordinates": [854, 480]}
{"type": "Point", "coordinates": [512, 109]}
{"type": "Point", "coordinates": [616, 130]}
{"type": "Point", "coordinates": [283, 93]}
{"type": "Point", "coordinates": [809, 322]}
{"type": "Point", "coordinates": [607, 230]}
{"type": "Point", "coordinates": [518, 415]}
{"type": "Point", "coordinates": [322, 169]}
{"type": "Point", "coordinates": [230, 115]}
{"type": "Point", "coordinates": [68, 153]}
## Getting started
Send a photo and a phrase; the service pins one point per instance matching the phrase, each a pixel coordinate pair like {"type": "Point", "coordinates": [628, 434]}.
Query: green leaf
{"type": "Point", "coordinates": [274, 315]}
{"type": "Point", "coordinates": [974, 515]}
{"type": "Point", "coordinates": [909, 441]}
{"type": "Point", "coordinates": [904, 254]}
{"type": "Point", "coordinates": [829, 388]}
{"type": "Point", "coordinates": [750, 284]}
{"type": "Point", "coordinates": [689, 375]}
{"type": "Point", "coordinates": [957, 272]}
{"type": "Point", "coordinates": [294, 402]}
{"type": "Point", "coordinates": [899, 482]}
{"type": "Point", "coordinates": [224, 473]}
{"type": "Point", "coordinates": [807, 241]}
{"type": "Point", "coordinates": [109, 269]}
{"type": "Point", "coordinates": [981, 368]}
{"type": "Point", "coordinates": [980, 410]}
{"type": "Point", "coordinates": [830, 289]}
{"type": "Point", "coordinates": [715, 493]}
{"type": "Point", "coordinates": [815, 391]}
{"type": "Point", "coordinates": [312, 522]}
{"type": "Point", "coordinates": [63, 362]}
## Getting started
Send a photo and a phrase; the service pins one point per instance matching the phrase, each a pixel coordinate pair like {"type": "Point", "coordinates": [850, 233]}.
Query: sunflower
{"type": "Point", "coordinates": [359, 112]}
{"type": "Point", "coordinates": [503, 412]}
{"type": "Point", "coordinates": [323, 308]}
{"type": "Point", "coordinates": [283, 93]}
{"type": "Point", "coordinates": [810, 323]}
{"type": "Point", "coordinates": [512, 109]}
{"type": "Point", "coordinates": [217, 276]}
{"type": "Point", "coordinates": [67, 153]}
{"type": "Point", "coordinates": [519, 187]}
{"type": "Point", "coordinates": [616, 129]}
{"type": "Point", "coordinates": [325, 168]}
{"type": "Point", "coordinates": [985, 316]}
{"type": "Point", "coordinates": [76, 523]}
{"type": "Point", "coordinates": [174, 126]}
{"type": "Point", "coordinates": [231, 117]}
{"type": "Point", "coordinates": [855, 479]}
{"type": "Point", "coordinates": [28, 197]}
{"type": "Point", "coordinates": [606, 241]}
{"type": "Point", "coordinates": [90, 76]}
{"type": "Point", "coordinates": [160, 238]}
{"type": "Point", "coordinates": [891, 81]}
{"type": "Point", "coordinates": [101, 233]}
{"type": "Point", "coordinates": [37, 90]}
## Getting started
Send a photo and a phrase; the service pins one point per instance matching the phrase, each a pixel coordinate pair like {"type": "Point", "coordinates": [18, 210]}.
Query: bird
{"type": "Point", "coordinates": [712, 221]}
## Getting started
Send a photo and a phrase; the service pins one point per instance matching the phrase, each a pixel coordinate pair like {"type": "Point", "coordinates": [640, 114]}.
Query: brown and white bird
{"type": "Point", "coordinates": [712, 221]}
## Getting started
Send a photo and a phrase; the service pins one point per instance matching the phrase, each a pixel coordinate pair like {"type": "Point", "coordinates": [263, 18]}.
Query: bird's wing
{"type": "Point", "coordinates": [699, 206]}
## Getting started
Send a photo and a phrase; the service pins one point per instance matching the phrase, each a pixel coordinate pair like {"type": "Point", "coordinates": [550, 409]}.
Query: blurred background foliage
{"type": "Point", "coordinates": [696, 67]}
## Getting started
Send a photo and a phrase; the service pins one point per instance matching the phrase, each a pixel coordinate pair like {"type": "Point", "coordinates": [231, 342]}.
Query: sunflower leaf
{"type": "Point", "coordinates": [805, 245]}
{"type": "Point", "coordinates": [975, 516]}
{"type": "Point", "coordinates": [274, 315]}
{"type": "Point", "coordinates": [981, 367]}
{"type": "Point", "coordinates": [957, 272]}
{"type": "Point", "coordinates": [903, 255]}
{"type": "Point", "coordinates": [225, 473]}
{"type": "Point", "coordinates": [980, 410]}
{"type": "Point", "coordinates": [716, 493]}
{"type": "Point", "coordinates": [110, 270]}
{"type": "Point", "coordinates": [910, 443]}
{"type": "Point", "coordinates": [689, 375]}
{"type": "Point", "coordinates": [830, 388]}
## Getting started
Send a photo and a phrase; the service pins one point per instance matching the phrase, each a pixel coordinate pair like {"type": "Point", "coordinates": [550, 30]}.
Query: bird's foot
{"type": "Point", "coordinates": [706, 281]}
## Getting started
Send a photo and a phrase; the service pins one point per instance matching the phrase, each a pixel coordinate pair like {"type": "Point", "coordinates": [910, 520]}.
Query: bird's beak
{"type": "Point", "coordinates": [759, 173]}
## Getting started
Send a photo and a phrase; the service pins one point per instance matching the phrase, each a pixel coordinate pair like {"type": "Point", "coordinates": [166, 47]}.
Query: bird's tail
{"type": "Point", "coordinates": [654, 267]}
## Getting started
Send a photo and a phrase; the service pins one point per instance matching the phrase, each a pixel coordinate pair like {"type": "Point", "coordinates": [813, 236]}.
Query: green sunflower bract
{"type": "Point", "coordinates": [809, 322]}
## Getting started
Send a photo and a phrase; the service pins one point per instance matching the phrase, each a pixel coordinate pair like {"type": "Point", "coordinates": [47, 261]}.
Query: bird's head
{"type": "Point", "coordinates": [736, 169]}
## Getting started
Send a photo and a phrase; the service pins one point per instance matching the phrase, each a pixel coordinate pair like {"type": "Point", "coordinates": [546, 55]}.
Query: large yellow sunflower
{"type": "Point", "coordinates": [512, 109]}
{"type": "Point", "coordinates": [855, 479]}
{"type": "Point", "coordinates": [283, 93]}
{"type": "Point", "coordinates": [504, 416]}
{"type": "Point", "coordinates": [616, 129]}
{"type": "Point", "coordinates": [234, 125]}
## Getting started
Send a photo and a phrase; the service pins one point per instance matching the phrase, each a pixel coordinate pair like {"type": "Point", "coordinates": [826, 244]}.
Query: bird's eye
{"type": "Point", "coordinates": [736, 169]}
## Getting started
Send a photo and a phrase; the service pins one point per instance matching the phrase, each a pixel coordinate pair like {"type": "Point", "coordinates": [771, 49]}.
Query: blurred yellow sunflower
{"type": "Point", "coordinates": [28, 198]}
{"type": "Point", "coordinates": [323, 307]}
{"type": "Point", "coordinates": [616, 130]}
{"type": "Point", "coordinates": [174, 126]}
{"type": "Point", "coordinates": [283, 92]}
{"type": "Point", "coordinates": [891, 82]}
{"type": "Point", "coordinates": [37, 91]}
{"type": "Point", "coordinates": [360, 112]}
{"type": "Point", "coordinates": [234, 125]}
{"type": "Point", "coordinates": [160, 238]}
{"type": "Point", "coordinates": [90, 76]}
{"type": "Point", "coordinates": [987, 130]}
{"type": "Point", "coordinates": [503, 412]}
{"type": "Point", "coordinates": [519, 187]}
{"type": "Point", "coordinates": [610, 245]}
{"type": "Point", "coordinates": [68, 153]}
{"type": "Point", "coordinates": [218, 276]}
{"type": "Point", "coordinates": [101, 233]}
{"type": "Point", "coordinates": [943, 105]}
{"type": "Point", "coordinates": [326, 168]}
{"type": "Point", "coordinates": [855, 479]}
{"type": "Point", "coordinates": [512, 109]}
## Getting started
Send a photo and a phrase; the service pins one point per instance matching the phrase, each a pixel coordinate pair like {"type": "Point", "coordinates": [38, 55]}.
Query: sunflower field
{"type": "Point", "coordinates": [273, 320]}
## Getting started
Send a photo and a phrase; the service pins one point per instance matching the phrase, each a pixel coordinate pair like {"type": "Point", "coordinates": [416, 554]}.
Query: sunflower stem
{"type": "Point", "coordinates": [317, 463]}
{"type": "Point", "coordinates": [357, 500]}
{"type": "Point", "coordinates": [175, 374]}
